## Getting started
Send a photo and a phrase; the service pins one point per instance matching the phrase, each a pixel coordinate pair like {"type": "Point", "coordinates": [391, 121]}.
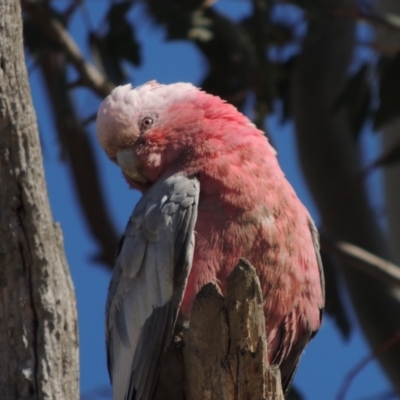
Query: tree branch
{"type": "Point", "coordinates": [357, 13]}
{"type": "Point", "coordinates": [330, 160]}
{"type": "Point", "coordinates": [352, 374]}
{"type": "Point", "coordinates": [75, 142]}
{"type": "Point", "coordinates": [90, 76]}
{"type": "Point", "coordinates": [363, 260]}
{"type": "Point", "coordinates": [79, 151]}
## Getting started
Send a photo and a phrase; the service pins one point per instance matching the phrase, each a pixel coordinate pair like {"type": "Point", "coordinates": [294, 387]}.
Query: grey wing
{"type": "Point", "coordinates": [290, 364]}
{"type": "Point", "coordinates": [315, 238]}
{"type": "Point", "coordinates": [148, 284]}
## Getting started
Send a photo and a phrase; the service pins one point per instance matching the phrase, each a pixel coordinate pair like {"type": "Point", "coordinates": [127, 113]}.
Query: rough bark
{"type": "Point", "coordinates": [225, 347]}
{"type": "Point", "coordinates": [223, 355]}
{"type": "Point", "coordinates": [330, 161]}
{"type": "Point", "coordinates": [38, 321]}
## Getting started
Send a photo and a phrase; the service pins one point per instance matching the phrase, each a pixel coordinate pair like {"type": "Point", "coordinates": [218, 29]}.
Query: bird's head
{"type": "Point", "coordinates": [156, 130]}
{"type": "Point", "coordinates": [145, 130]}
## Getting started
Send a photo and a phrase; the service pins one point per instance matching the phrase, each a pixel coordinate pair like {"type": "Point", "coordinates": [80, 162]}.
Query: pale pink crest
{"type": "Point", "coordinates": [119, 113]}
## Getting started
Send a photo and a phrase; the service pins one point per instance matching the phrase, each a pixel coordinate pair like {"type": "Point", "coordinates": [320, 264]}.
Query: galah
{"type": "Point", "coordinates": [213, 192]}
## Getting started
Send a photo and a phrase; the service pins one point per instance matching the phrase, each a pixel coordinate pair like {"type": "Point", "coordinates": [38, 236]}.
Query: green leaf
{"type": "Point", "coordinates": [117, 12]}
{"type": "Point", "coordinates": [121, 38]}
{"type": "Point", "coordinates": [117, 44]}
{"type": "Point", "coordinates": [389, 92]}
{"type": "Point", "coordinates": [315, 8]}
{"type": "Point", "coordinates": [230, 54]}
{"type": "Point", "coordinates": [107, 64]}
{"type": "Point", "coordinates": [174, 14]}
{"type": "Point", "coordinates": [283, 86]}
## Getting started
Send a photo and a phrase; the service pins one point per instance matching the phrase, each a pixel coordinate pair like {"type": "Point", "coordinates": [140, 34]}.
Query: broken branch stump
{"type": "Point", "coordinates": [224, 352]}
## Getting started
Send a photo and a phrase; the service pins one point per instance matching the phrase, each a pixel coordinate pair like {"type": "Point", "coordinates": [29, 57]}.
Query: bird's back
{"type": "Point", "coordinates": [248, 209]}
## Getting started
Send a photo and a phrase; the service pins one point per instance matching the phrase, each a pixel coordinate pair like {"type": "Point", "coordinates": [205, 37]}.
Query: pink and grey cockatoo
{"type": "Point", "coordinates": [213, 192]}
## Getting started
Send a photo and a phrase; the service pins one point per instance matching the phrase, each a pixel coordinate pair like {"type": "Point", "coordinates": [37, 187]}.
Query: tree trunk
{"type": "Point", "coordinates": [391, 135]}
{"type": "Point", "coordinates": [38, 320]}
{"type": "Point", "coordinates": [330, 160]}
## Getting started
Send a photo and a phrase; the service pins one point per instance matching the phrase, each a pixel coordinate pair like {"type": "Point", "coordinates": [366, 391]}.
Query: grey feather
{"type": "Point", "coordinates": [315, 238]}
{"type": "Point", "coordinates": [289, 365]}
{"type": "Point", "coordinates": [148, 284]}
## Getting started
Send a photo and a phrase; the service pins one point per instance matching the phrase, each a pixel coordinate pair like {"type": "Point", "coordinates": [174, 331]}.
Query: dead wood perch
{"type": "Point", "coordinates": [224, 351]}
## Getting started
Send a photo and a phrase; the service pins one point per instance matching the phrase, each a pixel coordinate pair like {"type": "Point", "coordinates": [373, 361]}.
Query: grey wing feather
{"type": "Point", "coordinates": [290, 364]}
{"type": "Point", "coordinates": [315, 238]}
{"type": "Point", "coordinates": [148, 284]}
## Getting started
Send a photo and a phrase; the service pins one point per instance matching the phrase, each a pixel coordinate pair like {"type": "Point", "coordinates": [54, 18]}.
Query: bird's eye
{"type": "Point", "coordinates": [147, 122]}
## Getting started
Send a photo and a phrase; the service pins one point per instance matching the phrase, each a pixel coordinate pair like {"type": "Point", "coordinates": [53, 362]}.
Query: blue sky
{"type": "Point", "coordinates": [328, 358]}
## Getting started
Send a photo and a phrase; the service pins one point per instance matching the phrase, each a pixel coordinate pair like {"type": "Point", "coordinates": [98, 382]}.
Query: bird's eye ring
{"type": "Point", "coordinates": [147, 122]}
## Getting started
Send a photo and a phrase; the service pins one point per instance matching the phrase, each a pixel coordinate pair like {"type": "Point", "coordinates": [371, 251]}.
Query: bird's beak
{"type": "Point", "coordinates": [130, 165]}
